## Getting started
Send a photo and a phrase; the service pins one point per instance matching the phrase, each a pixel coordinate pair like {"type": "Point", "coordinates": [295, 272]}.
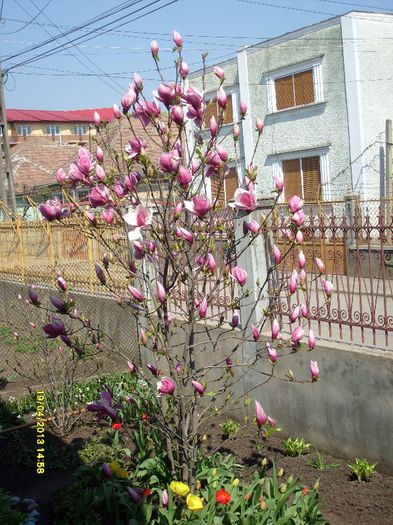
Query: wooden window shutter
{"type": "Point", "coordinates": [304, 88]}
{"type": "Point", "coordinates": [210, 111]}
{"type": "Point", "coordinates": [228, 113]}
{"type": "Point", "coordinates": [292, 178]}
{"type": "Point", "coordinates": [311, 179]}
{"type": "Point", "coordinates": [217, 190]}
{"type": "Point", "coordinates": [284, 92]}
{"type": "Point", "coordinates": [231, 184]}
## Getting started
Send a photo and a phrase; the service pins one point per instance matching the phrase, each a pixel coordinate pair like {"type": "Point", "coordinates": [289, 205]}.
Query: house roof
{"type": "Point", "coordinates": [40, 115]}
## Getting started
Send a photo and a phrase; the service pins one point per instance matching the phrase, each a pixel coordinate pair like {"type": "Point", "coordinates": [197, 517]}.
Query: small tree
{"type": "Point", "coordinates": [173, 227]}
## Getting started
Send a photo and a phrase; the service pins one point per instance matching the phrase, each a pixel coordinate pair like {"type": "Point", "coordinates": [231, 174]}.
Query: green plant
{"type": "Point", "coordinates": [295, 447]}
{"type": "Point", "coordinates": [224, 466]}
{"type": "Point", "coordinates": [362, 469]}
{"type": "Point", "coordinates": [320, 463]}
{"type": "Point", "coordinates": [230, 428]}
{"type": "Point", "coordinates": [9, 514]}
{"type": "Point", "coordinates": [96, 452]}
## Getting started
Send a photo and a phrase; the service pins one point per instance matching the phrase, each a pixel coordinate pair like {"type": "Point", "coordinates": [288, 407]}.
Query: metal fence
{"type": "Point", "coordinates": [355, 241]}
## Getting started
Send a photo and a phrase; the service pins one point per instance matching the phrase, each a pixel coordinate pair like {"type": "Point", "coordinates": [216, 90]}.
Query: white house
{"type": "Point", "coordinates": [324, 93]}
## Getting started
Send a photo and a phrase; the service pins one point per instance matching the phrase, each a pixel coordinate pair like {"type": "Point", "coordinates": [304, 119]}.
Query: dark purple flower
{"type": "Point", "coordinates": [58, 304]}
{"type": "Point", "coordinates": [100, 274]}
{"type": "Point", "coordinates": [33, 295]}
{"type": "Point", "coordinates": [55, 328]}
{"type": "Point", "coordinates": [105, 406]}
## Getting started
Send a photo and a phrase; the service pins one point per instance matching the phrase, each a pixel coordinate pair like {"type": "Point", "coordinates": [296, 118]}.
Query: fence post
{"type": "Point", "coordinates": [52, 257]}
{"type": "Point", "coordinates": [21, 248]}
{"type": "Point", "coordinates": [90, 255]}
{"type": "Point", "coordinates": [254, 260]}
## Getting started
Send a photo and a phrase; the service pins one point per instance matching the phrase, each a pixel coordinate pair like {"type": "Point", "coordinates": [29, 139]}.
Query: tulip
{"type": "Point", "coordinates": [55, 328]}
{"type": "Point", "coordinates": [314, 370]}
{"type": "Point", "coordinates": [299, 237]}
{"type": "Point", "coordinates": [136, 294]}
{"type": "Point", "coordinates": [297, 335]}
{"type": "Point", "coordinates": [198, 387]}
{"type": "Point", "coordinates": [33, 295]}
{"type": "Point", "coordinates": [100, 274]}
{"type": "Point", "coordinates": [235, 321]}
{"type": "Point", "coordinates": [138, 81]}
{"type": "Point", "coordinates": [160, 292]}
{"type": "Point", "coordinates": [259, 125]}
{"type": "Point", "coordinates": [134, 495]}
{"type": "Point", "coordinates": [272, 353]}
{"type": "Point", "coordinates": [327, 287]}
{"type": "Point", "coordinates": [240, 275]}
{"type": "Point", "coordinates": [298, 218]}
{"type": "Point", "coordinates": [61, 177]}
{"type": "Point", "coordinates": [243, 108]}
{"type": "Point", "coordinates": [177, 115]}
{"type": "Point", "coordinates": [261, 417]}
{"type": "Point", "coordinates": [203, 308]}
{"type": "Point", "coordinates": [132, 367]}
{"type": "Point", "coordinates": [295, 204]}
{"type": "Point", "coordinates": [222, 98]}
{"type": "Point", "coordinates": [199, 206]}
{"type": "Point", "coordinates": [179, 488]}
{"type": "Point", "coordinates": [275, 329]}
{"type": "Point", "coordinates": [61, 283]}
{"type": "Point", "coordinates": [213, 126]}
{"type": "Point", "coordinates": [277, 255]}
{"type": "Point", "coordinates": [278, 182]}
{"type": "Point", "coordinates": [166, 386]}
{"type": "Point", "coordinates": [107, 470]}
{"type": "Point", "coordinates": [236, 132]}
{"type": "Point", "coordinates": [293, 282]}
{"type": "Point", "coordinates": [255, 332]}
{"type": "Point", "coordinates": [183, 69]}
{"type": "Point", "coordinates": [223, 497]}
{"type": "Point", "coordinates": [194, 502]}
{"type": "Point", "coordinates": [97, 118]}
{"type": "Point", "coordinates": [165, 498]}
{"type": "Point", "coordinates": [178, 39]}
{"type": "Point", "coordinates": [99, 154]}
{"type": "Point", "coordinates": [154, 49]}
{"type": "Point", "coordinates": [320, 265]}
{"type": "Point", "coordinates": [116, 111]}
{"type": "Point", "coordinates": [109, 215]}
{"type": "Point", "coordinates": [245, 200]}
{"type": "Point", "coordinates": [311, 339]}
{"type": "Point", "coordinates": [219, 72]}
{"type": "Point", "coordinates": [301, 259]}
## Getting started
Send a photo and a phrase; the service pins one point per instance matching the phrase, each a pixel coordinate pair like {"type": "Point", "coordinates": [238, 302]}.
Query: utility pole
{"type": "Point", "coordinates": [7, 171]}
{"type": "Point", "coordinates": [389, 159]}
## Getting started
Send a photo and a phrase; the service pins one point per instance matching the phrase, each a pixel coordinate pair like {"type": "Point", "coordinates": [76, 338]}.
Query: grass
{"type": "Point", "coordinates": [23, 343]}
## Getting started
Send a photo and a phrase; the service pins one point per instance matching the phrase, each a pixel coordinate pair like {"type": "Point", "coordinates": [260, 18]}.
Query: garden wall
{"type": "Point", "coordinates": [348, 412]}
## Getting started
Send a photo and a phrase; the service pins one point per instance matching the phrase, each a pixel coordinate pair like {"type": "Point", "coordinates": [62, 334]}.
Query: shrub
{"type": "Point", "coordinates": [362, 469]}
{"type": "Point", "coordinates": [230, 428]}
{"type": "Point", "coordinates": [295, 447]}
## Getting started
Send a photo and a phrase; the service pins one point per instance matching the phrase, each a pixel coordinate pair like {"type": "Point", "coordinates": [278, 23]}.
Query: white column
{"type": "Point", "coordinates": [244, 90]}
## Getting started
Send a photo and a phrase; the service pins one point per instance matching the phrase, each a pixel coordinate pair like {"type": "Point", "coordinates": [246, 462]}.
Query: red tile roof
{"type": "Point", "coordinates": [40, 115]}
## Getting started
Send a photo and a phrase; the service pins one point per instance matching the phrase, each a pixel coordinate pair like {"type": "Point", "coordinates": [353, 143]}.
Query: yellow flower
{"type": "Point", "coordinates": [117, 470]}
{"type": "Point", "coordinates": [214, 472]}
{"type": "Point", "coordinates": [179, 488]}
{"type": "Point", "coordinates": [194, 502]}
{"type": "Point", "coordinates": [236, 482]}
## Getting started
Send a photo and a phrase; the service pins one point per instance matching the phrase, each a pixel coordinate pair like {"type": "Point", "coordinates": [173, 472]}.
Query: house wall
{"type": "Point", "coordinates": [39, 129]}
{"type": "Point", "coordinates": [368, 56]}
{"type": "Point", "coordinates": [322, 125]}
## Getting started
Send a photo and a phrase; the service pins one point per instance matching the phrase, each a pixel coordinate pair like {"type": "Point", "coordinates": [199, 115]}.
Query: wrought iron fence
{"type": "Point", "coordinates": [355, 241]}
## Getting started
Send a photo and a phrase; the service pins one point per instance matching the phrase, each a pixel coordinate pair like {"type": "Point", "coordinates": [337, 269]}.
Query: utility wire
{"type": "Point", "coordinates": [30, 21]}
{"type": "Point", "coordinates": [292, 8]}
{"type": "Point", "coordinates": [356, 5]}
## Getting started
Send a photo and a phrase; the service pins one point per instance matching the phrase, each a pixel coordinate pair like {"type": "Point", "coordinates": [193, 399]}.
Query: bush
{"type": "Point", "coordinates": [362, 469]}
{"type": "Point", "coordinates": [295, 447]}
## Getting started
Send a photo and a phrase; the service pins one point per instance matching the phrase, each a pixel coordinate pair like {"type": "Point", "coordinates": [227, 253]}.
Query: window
{"type": "Point", "coordinates": [294, 90]}
{"type": "Point", "coordinates": [52, 129]}
{"type": "Point", "coordinates": [212, 109]}
{"type": "Point", "coordinates": [224, 189]}
{"type": "Point", "coordinates": [80, 129]}
{"type": "Point", "coordinates": [295, 86]}
{"type": "Point", "coordinates": [24, 130]}
{"type": "Point", "coordinates": [302, 177]}
{"type": "Point", "coordinates": [82, 194]}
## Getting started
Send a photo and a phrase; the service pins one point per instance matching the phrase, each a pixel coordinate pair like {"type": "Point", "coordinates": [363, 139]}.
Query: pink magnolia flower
{"type": "Point", "coordinates": [116, 111]}
{"type": "Point", "coordinates": [199, 206]}
{"type": "Point", "coordinates": [166, 386]}
{"type": "Point", "coordinates": [177, 115]}
{"type": "Point", "coordinates": [327, 287]}
{"type": "Point", "coordinates": [127, 100]}
{"type": "Point", "coordinates": [259, 125]}
{"type": "Point", "coordinates": [100, 173]}
{"type": "Point", "coordinates": [260, 415]}
{"type": "Point", "coordinates": [222, 98]}
{"type": "Point", "coordinates": [298, 218]}
{"type": "Point", "coordinates": [275, 329]}
{"type": "Point", "coordinates": [142, 337]}
{"type": "Point", "coordinates": [178, 39]}
{"type": "Point", "coordinates": [84, 161]}
{"type": "Point", "coordinates": [235, 321]}
{"type": "Point", "coordinates": [169, 163]}
{"type": "Point", "coordinates": [154, 48]}
{"type": "Point", "coordinates": [160, 292]}
{"type": "Point", "coordinates": [278, 182]}
{"type": "Point", "coordinates": [254, 227]}
{"type": "Point", "coordinates": [243, 108]}
{"type": "Point", "coordinates": [219, 72]}
{"type": "Point", "coordinates": [222, 152]}
{"type": "Point", "coordinates": [99, 196]}
{"type": "Point", "coordinates": [255, 332]}
{"type": "Point", "coordinates": [294, 315]}
{"type": "Point", "coordinates": [96, 118]}
{"type": "Point", "coordinates": [277, 255]}
{"type": "Point", "coordinates": [213, 126]}
{"type": "Point", "coordinates": [136, 294]}
{"type": "Point", "coordinates": [139, 217]}
{"type": "Point", "coordinates": [183, 69]}
{"type": "Point", "coordinates": [302, 276]}
{"type": "Point", "coordinates": [236, 132]}
{"type": "Point", "coordinates": [109, 215]}
{"type": "Point", "coordinates": [138, 81]}
{"type": "Point", "coordinates": [183, 233]}
{"type": "Point", "coordinates": [304, 310]}
{"type": "Point", "coordinates": [314, 370]}
{"type": "Point", "coordinates": [320, 265]}
{"type": "Point", "coordinates": [61, 177]}
{"type": "Point", "coordinates": [311, 339]}
{"type": "Point", "coordinates": [132, 367]}
{"type": "Point", "coordinates": [198, 387]}
{"type": "Point", "coordinates": [297, 335]}
{"type": "Point", "coordinates": [293, 282]}
{"type": "Point", "coordinates": [51, 210]}
{"type": "Point", "coordinates": [178, 210]}
{"type": "Point", "coordinates": [245, 199]}
{"type": "Point", "coordinates": [295, 204]}
{"type": "Point", "coordinates": [299, 237]}
{"type": "Point", "coordinates": [203, 308]}
{"type": "Point", "coordinates": [240, 275]}
{"type": "Point", "coordinates": [271, 352]}
{"type": "Point", "coordinates": [301, 259]}
{"type": "Point", "coordinates": [99, 154]}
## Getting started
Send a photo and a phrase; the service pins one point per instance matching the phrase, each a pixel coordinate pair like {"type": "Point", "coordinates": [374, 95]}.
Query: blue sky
{"type": "Point", "coordinates": [96, 72]}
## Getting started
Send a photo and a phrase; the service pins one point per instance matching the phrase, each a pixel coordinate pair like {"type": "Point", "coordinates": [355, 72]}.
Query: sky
{"type": "Point", "coordinates": [95, 69]}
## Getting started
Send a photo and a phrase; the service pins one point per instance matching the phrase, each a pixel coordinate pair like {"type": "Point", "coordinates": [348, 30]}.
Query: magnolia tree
{"type": "Point", "coordinates": [174, 226]}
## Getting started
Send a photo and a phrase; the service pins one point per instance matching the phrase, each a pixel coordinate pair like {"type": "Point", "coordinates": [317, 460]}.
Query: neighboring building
{"type": "Point", "coordinates": [324, 92]}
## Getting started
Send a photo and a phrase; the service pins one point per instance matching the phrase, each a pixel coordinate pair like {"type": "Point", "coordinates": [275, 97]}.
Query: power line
{"type": "Point", "coordinates": [30, 21]}
{"type": "Point", "coordinates": [356, 5]}
{"type": "Point", "coordinates": [52, 52]}
{"type": "Point", "coordinates": [279, 6]}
